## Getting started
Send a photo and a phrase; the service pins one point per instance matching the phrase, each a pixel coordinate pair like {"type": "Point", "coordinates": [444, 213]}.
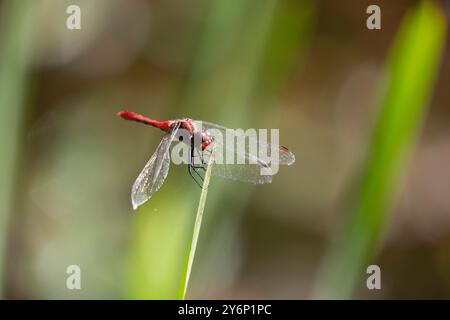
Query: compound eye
{"type": "Point", "coordinates": [180, 138]}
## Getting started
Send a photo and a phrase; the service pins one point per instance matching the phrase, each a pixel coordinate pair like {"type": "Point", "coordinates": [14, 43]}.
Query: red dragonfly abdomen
{"type": "Point", "coordinates": [128, 115]}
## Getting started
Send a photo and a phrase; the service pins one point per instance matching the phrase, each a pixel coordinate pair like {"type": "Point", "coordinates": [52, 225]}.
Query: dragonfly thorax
{"type": "Point", "coordinates": [189, 134]}
{"type": "Point", "coordinates": [188, 125]}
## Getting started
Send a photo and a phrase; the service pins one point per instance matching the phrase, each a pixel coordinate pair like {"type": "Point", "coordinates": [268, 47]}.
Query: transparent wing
{"type": "Point", "coordinates": [250, 173]}
{"type": "Point", "coordinates": [155, 171]}
{"type": "Point", "coordinates": [246, 166]}
{"type": "Point", "coordinates": [286, 157]}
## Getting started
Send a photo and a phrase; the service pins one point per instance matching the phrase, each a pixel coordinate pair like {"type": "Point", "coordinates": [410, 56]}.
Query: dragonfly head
{"type": "Point", "coordinates": [207, 139]}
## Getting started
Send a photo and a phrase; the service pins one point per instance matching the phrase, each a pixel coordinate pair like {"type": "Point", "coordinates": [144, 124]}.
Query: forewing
{"type": "Point", "coordinates": [154, 173]}
{"type": "Point", "coordinates": [251, 171]}
{"type": "Point", "coordinates": [286, 157]}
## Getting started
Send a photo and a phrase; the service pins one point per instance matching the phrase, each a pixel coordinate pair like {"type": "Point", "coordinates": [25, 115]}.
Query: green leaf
{"type": "Point", "coordinates": [410, 73]}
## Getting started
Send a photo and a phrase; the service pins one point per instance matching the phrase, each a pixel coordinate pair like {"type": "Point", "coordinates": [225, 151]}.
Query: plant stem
{"type": "Point", "coordinates": [197, 226]}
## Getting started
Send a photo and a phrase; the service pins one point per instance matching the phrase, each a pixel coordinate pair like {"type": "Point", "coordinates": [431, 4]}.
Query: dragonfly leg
{"type": "Point", "coordinates": [193, 168]}
{"type": "Point", "coordinates": [200, 166]}
{"type": "Point", "coordinates": [190, 169]}
{"type": "Point", "coordinates": [200, 154]}
{"type": "Point", "coordinates": [208, 152]}
{"type": "Point", "coordinates": [195, 156]}
{"type": "Point", "coordinates": [196, 169]}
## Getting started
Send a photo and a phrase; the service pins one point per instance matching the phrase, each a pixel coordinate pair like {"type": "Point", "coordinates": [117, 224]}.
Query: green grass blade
{"type": "Point", "coordinates": [411, 72]}
{"type": "Point", "coordinates": [15, 42]}
{"type": "Point", "coordinates": [197, 226]}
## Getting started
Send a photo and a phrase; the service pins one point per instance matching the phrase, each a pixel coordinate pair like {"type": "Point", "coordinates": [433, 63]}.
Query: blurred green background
{"type": "Point", "coordinates": [365, 112]}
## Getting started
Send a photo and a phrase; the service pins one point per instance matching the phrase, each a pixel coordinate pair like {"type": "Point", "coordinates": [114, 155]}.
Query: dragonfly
{"type": "Point", "coordinates": [200, 138]}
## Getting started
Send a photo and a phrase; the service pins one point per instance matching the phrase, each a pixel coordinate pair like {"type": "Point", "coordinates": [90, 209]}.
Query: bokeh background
{"type": "Point", "coordinates": [310, 68]}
